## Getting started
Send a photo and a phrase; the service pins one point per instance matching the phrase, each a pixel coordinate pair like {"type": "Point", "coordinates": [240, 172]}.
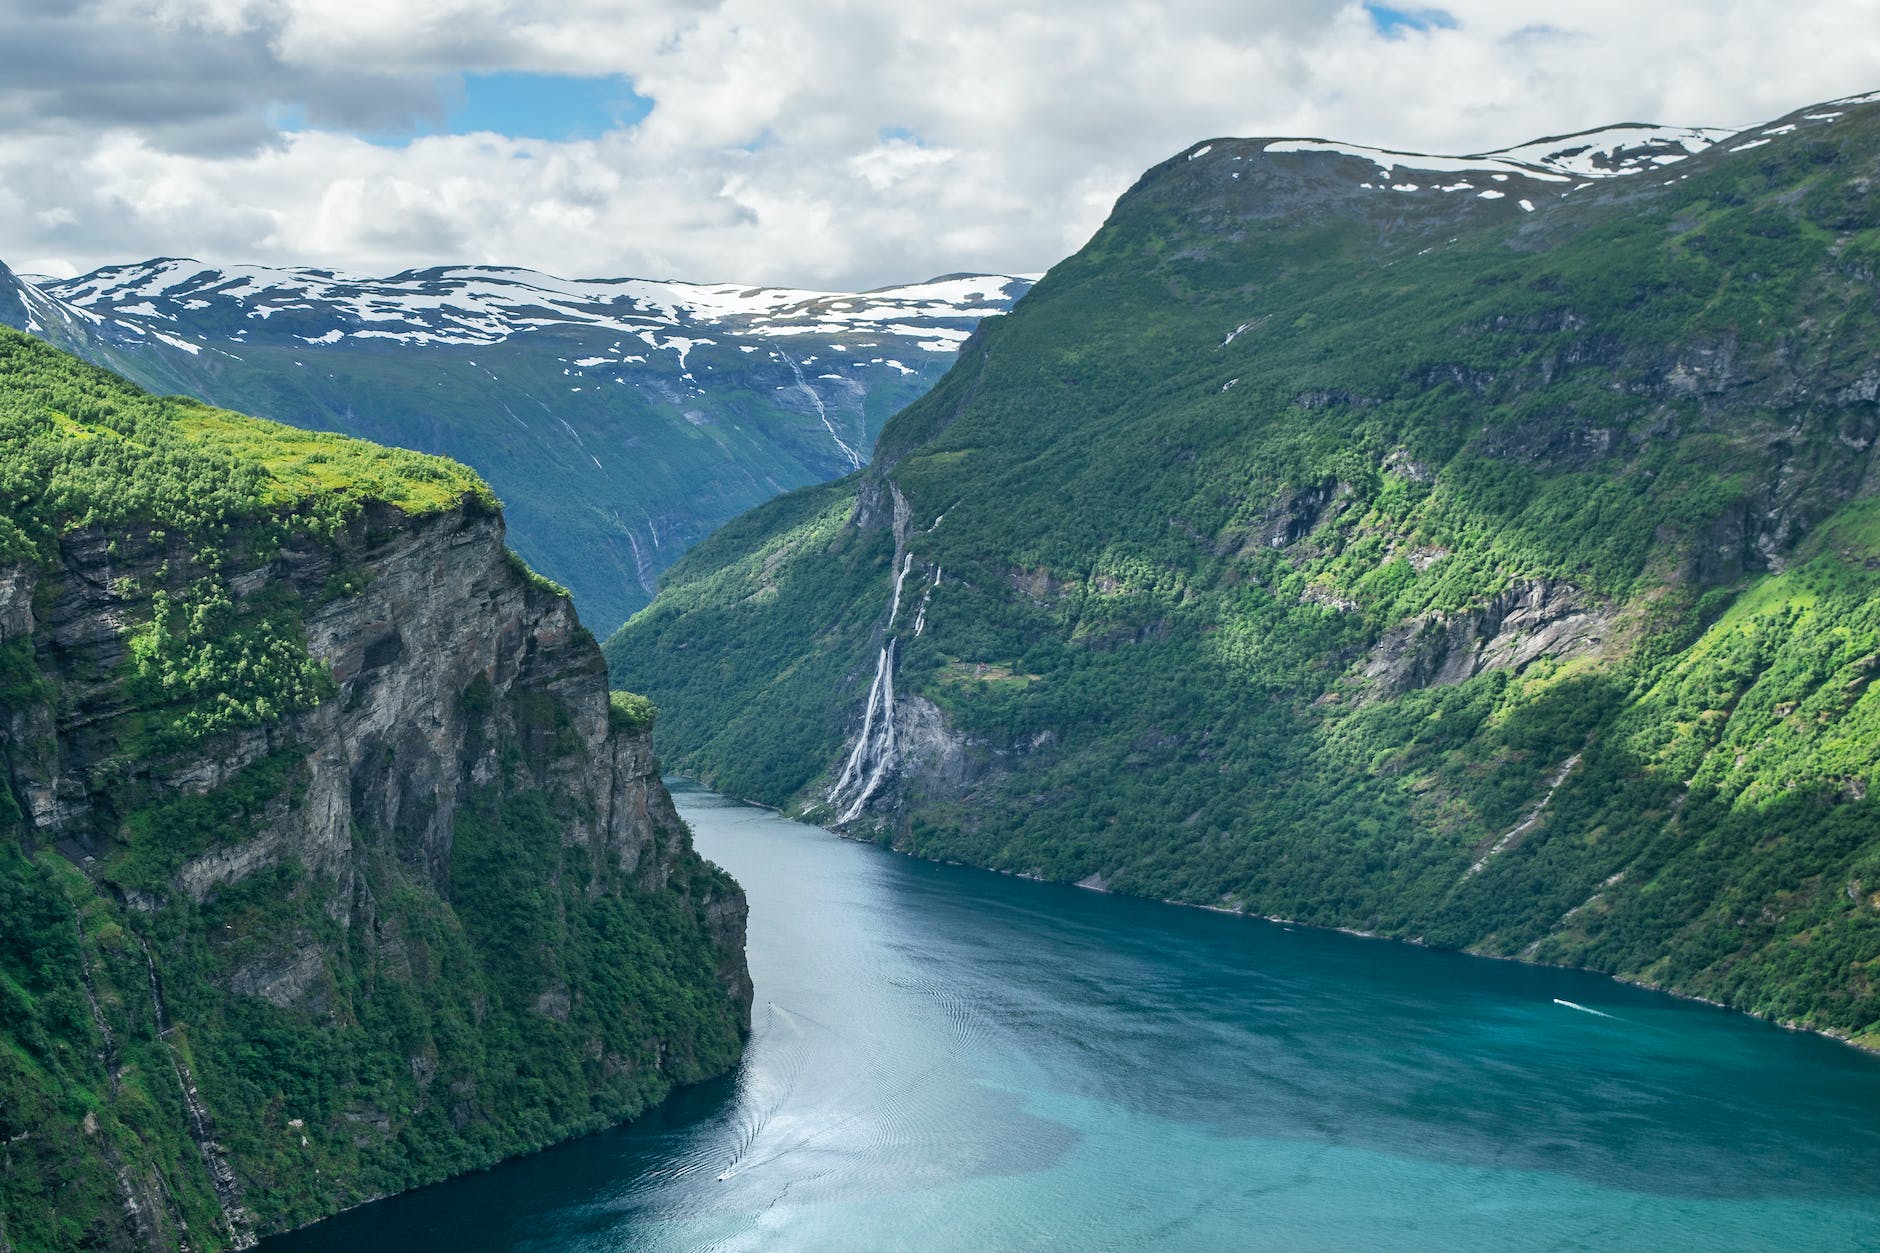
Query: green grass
{"type": "Point", "coordinates": [80, 446]}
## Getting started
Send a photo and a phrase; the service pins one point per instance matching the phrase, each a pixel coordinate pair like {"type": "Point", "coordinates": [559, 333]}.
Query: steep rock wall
{"type": "Point", "coordinates": [446, 914]}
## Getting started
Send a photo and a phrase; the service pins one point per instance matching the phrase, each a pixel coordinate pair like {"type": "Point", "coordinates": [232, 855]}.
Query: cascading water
{"type": "Point", "coordinates": [920, 618]}
{"type": "Point", "coordinates": [859, 758]}
{"type": "Point", "coordinates": [201, 1129]}
{"type": "Point", "coordinates": [876, 752]}
{"type": "Point", "coordinates": [854, 458]}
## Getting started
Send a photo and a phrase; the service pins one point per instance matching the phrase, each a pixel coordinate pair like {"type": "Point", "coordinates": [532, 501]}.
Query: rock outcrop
{"type": "Point", "coordinates": [1531, 619]}
{"type": "Point", "coordinates": [458, 865]}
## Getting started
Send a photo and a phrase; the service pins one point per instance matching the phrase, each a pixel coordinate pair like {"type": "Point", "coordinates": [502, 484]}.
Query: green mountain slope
{"type": "Point", "coordinates": [328, 867]}
{"type": "Point", "coordinates": [1438, 548]}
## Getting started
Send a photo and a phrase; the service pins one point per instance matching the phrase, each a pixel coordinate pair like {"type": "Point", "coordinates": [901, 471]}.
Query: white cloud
{"type": "Point", "coordinates": [819, 143]}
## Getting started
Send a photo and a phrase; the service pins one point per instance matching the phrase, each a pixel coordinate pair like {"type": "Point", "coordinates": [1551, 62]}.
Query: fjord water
{"type": "Point", "coordinates": [946, 1058]}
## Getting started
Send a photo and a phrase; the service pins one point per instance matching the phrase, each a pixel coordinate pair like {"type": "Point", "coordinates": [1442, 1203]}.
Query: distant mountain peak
{"type": "Point", "coordinates": [1554, 165]}
{"type": "Point", "coordinates": [1608, 152]}
{"type": "Point", "coordinates": [621, 418]}
{"type": "Point", "coordinates": [485, 304]}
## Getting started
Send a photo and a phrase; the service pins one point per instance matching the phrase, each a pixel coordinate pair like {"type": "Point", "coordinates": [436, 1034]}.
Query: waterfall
{"type": "Point", "coordinates": [857, 758]}
{"type": "Point", "coordinates": [879, 747]}
{"type": "Point", "coordinates": [221, 1176]}
{"type": "Point", "coordinates": [920, 619]}
{"type": "Point", "coordinates": [855, 458]}
{"type": "Point", "coordinates": [876, 752]}
{"type": "Point", "coordinates": [1533, 816]}
{"type": "Point", "coordinates": [894, 603]}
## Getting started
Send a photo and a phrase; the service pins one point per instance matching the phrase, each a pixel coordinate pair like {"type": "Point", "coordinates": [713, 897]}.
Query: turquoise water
{"type": "Point", "coordinates": [944, 1058]}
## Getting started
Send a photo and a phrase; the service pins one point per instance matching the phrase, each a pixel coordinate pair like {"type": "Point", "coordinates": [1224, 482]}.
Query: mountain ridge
{"type": "Point", "coordinates": [1424, 564]}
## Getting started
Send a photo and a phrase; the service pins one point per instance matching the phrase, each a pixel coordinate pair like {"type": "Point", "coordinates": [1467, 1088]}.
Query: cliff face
{"type": "Point", "coordinates": [436, 912]}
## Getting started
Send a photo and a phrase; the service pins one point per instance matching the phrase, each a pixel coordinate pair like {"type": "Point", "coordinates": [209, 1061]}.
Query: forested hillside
{"type": "Point", "coordinates": [328, 867]}
{"type": "Point", "coordinates": [1472, 550]}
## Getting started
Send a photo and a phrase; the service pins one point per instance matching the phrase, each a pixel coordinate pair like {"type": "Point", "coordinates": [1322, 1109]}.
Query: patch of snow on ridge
{"type": "Point", "coordinates": [1604, 153]}
{"type": "Point", "coordinates": [185, 345]}
{"type": "Point", "coordinates": [1615, 150]}
{"type": "Point", "coordinates": [1387, 161]}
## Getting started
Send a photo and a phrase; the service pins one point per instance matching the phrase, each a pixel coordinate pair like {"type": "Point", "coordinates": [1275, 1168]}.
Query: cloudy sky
{"type": "Point", "coordinates": [819, 143]}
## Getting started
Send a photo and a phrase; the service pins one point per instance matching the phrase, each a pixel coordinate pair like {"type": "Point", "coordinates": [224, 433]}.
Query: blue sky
{"type": "Point", "coordinates": [1394, 23]}
{"type": "Point", "coordinates": [543, 106]}
{"type": "Point", "coordinates": [517, 104]}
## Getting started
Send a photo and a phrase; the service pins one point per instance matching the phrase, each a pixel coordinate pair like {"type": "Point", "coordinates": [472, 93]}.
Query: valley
{"type": "Point", "coordinates": [1474, 553]}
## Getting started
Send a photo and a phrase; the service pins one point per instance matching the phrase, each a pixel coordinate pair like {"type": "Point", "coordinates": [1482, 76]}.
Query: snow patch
{"type": "Point", "coordinates": [1606, 153]}
{"type": "Point", "coordinates": [185, 345]}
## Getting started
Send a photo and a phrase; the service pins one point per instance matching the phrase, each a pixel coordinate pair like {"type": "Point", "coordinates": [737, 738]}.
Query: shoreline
{"type": "Point", "coordinates": [1828, 1033]}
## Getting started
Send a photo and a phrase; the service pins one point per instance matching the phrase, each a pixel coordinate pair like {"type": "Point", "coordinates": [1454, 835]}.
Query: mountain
{"type": "Point", "coordinates": [1482, 551]}
{"type": "Point", "coordinates": [328, 865]}
{"type": "Point", "coordinates": [621, 420]}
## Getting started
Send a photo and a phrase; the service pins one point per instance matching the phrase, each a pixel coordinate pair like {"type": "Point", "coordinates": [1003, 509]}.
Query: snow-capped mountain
{"type": "Point", "coordinates": [1554, 167]}
{"type": "Point", "coordinates": [488, 304]}
{"type": "Point", "coordinates": [621, 419]}
{"type": "Point", "coordinates": [1611, 151]}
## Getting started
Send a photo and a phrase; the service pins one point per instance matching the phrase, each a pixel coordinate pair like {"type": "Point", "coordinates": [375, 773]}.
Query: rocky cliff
{"type": "Point", "coordinates": [271, 946]}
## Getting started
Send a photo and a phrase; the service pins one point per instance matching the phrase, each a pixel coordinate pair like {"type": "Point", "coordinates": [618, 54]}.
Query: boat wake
{"type": "Point", "coordinates": [1583, 1009]}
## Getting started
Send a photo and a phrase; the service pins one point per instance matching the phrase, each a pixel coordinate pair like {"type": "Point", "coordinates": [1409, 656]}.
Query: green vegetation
{"type": "Point", "coordinates": [84, 453]}
{"type": "Point", "coordinates": [630, 712]}
{"type": "Point", "coordinates": [357, 1011]}
{"type": "Point", "coordinates": [81, 447]}
{"type": "Point", "coordinates": [1292, 539]}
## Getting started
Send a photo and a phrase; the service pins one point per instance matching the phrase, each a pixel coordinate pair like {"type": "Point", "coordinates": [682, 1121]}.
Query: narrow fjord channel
{"type": "Point", "coordinates": [945, 1058]}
